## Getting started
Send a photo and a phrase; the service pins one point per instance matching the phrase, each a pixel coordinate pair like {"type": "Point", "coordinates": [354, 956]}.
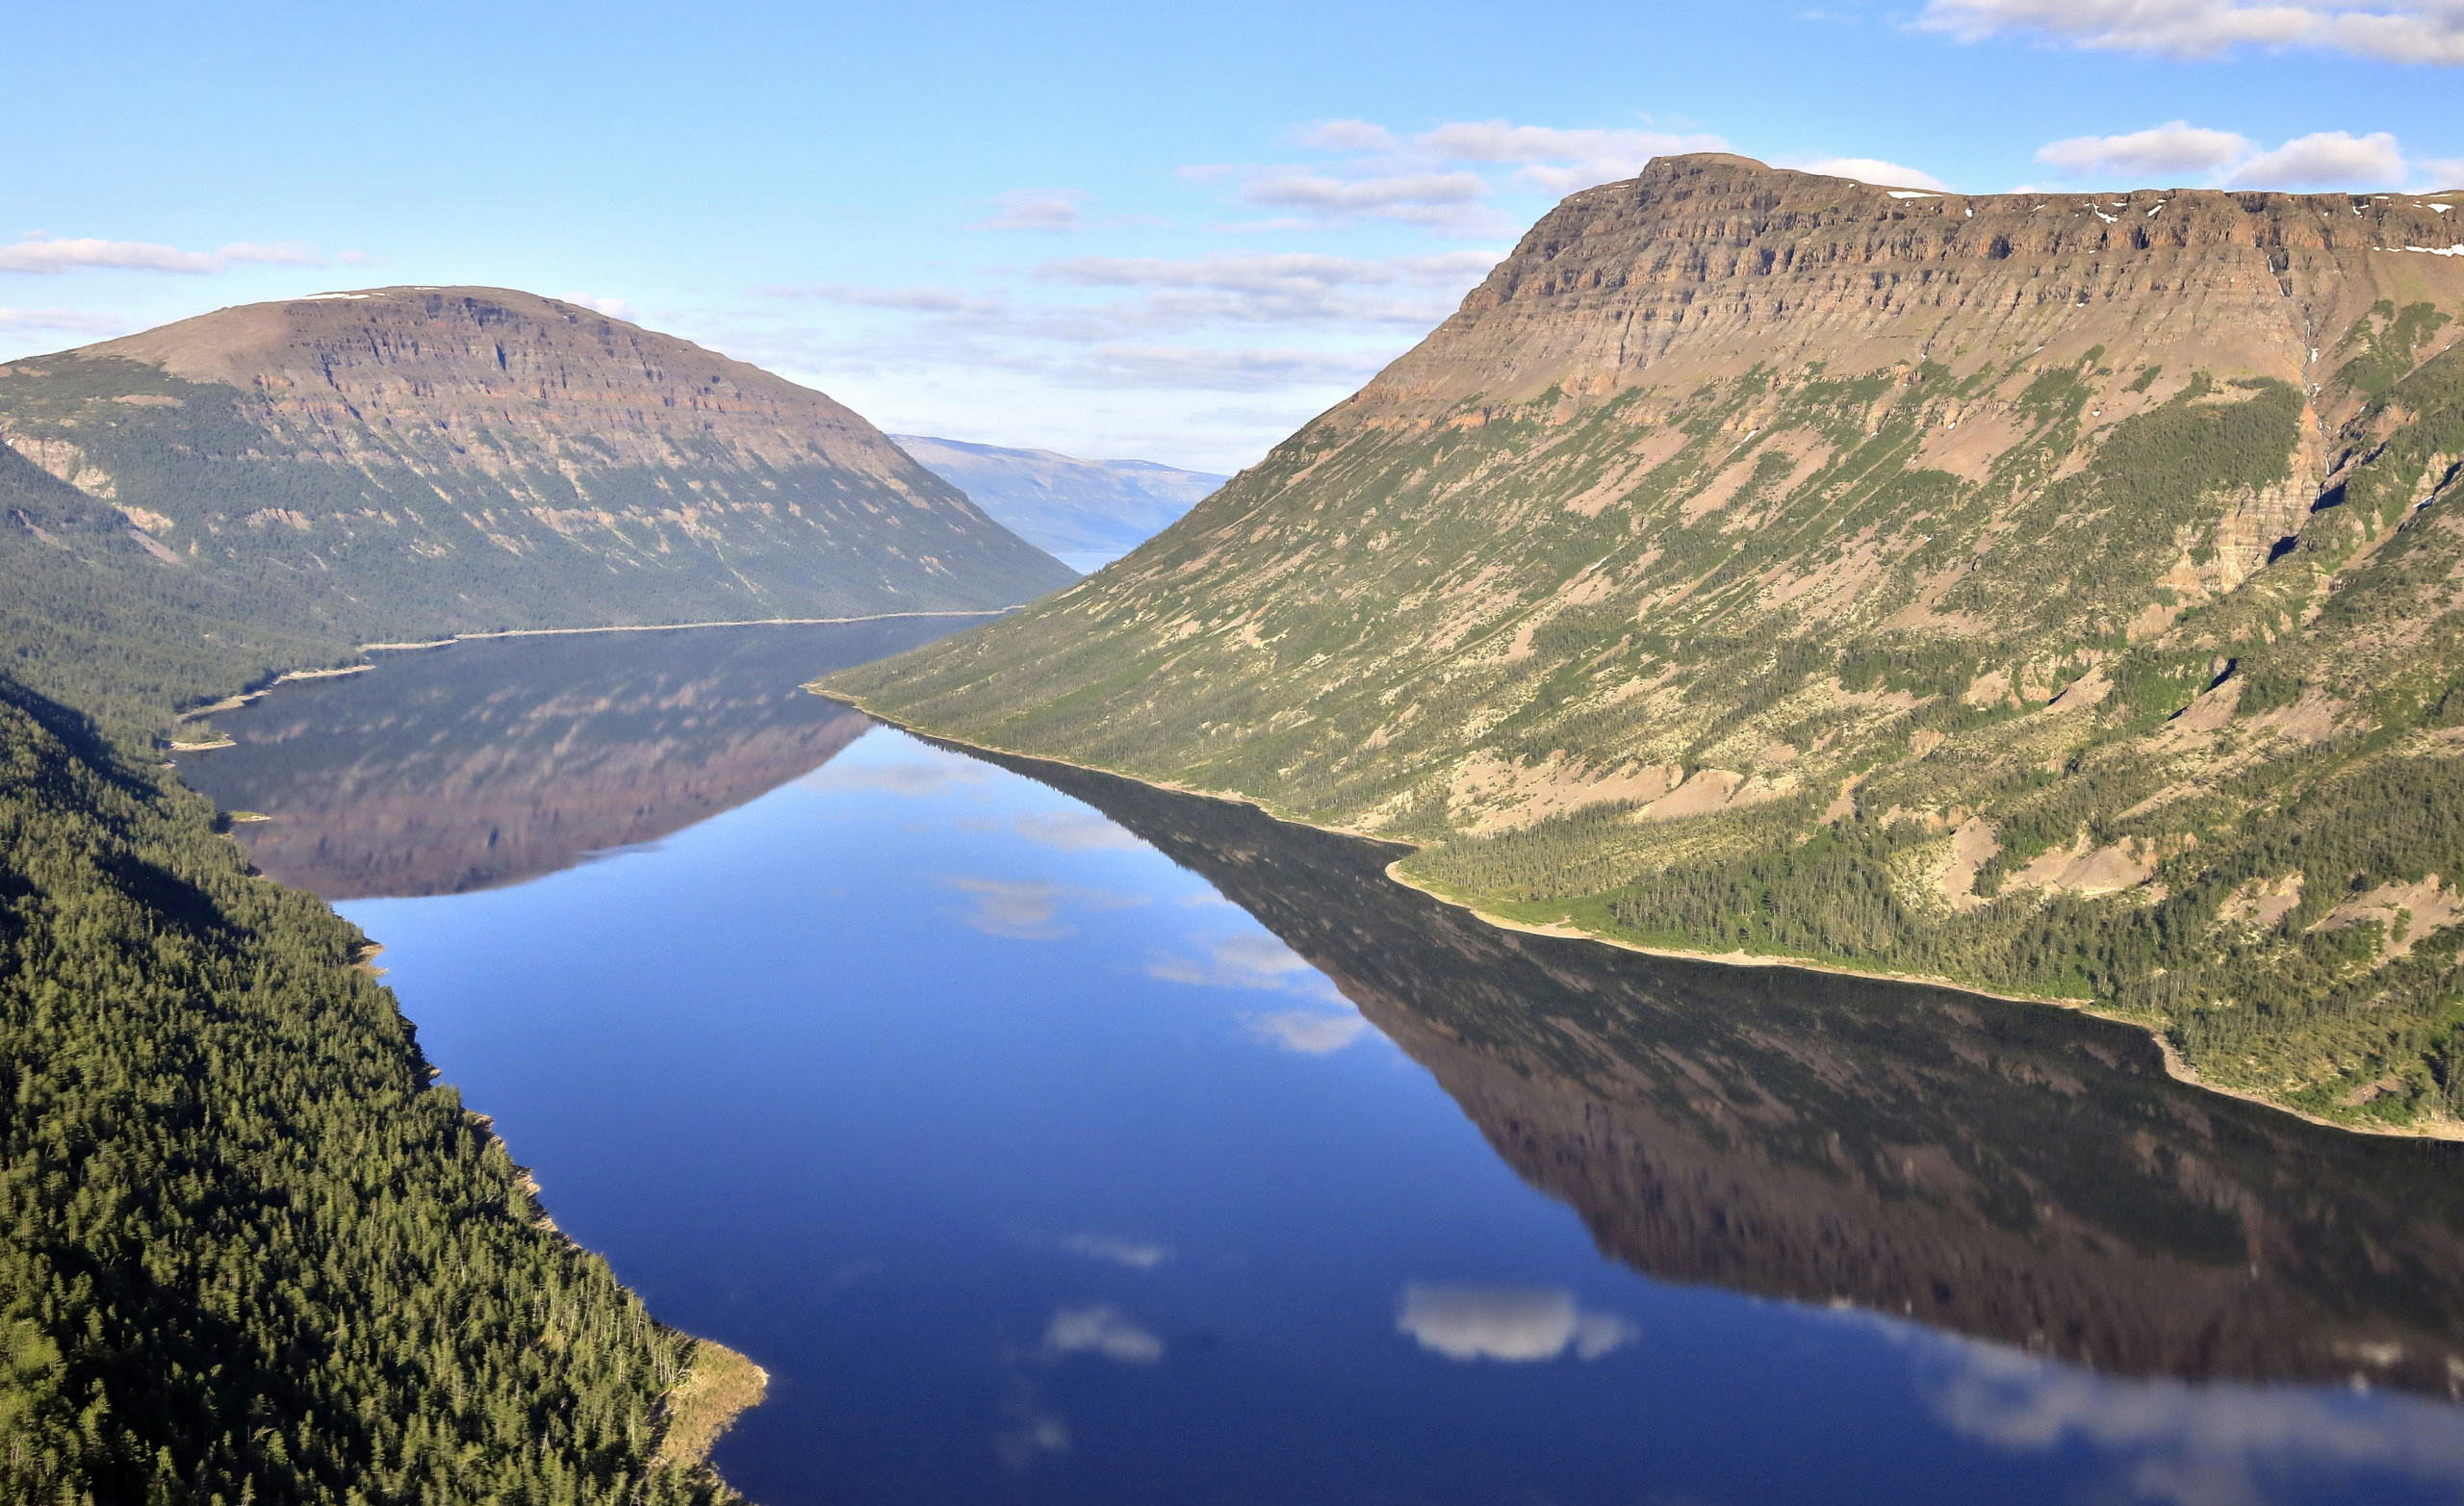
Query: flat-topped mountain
{"type": "Point", "coordinates": [415, 461]}
{"type": "Point", "coordinates": [1059, 502]}
{"type": "Point", "coordinates": [2001, 587]}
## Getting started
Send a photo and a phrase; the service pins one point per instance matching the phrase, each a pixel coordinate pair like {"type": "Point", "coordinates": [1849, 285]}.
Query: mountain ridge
{"type": "Point", "coordinates": [404, 462]}
{"type": "Point", "coordinates": [1934, 584]}
{"type": "Point", "coordinates": [1062, 503]}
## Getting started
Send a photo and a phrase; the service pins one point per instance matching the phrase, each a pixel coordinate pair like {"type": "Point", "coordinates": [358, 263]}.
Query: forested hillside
{"type": "Point", "coordinates": [253, 1256]}
{"type": "Point", "coordinates": [2055, 592]}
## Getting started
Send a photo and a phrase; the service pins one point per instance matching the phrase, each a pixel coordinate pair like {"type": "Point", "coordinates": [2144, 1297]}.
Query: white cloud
{"type": "Point", "coordinates": [613, 308]}
{"type": "Point", "coordinates": [919, 777]}
{"type": "Point", "coordinates": [1249, 959]}
{"type": "Point", "coordinates": [1293, 287]}
{"type": "Point", "coordinates": [2174, 147]}
{"type": "Point", "coordinates": [1444, 202]}
{"type": "Point", "coordinates": [1311, 1032]}
{"type": "Point", "coordinates": [1216, 369]}
{"type": "Point", "coordinates": [912, 300]}
{"type": "Point", "coordinates": [70, 322]}
{"type": "Point", "coordinates": [1136, 1254]}
{"type": "Point", "coordinates": [1874, 170]}
{"type": "Point", "coordinates": [2227, 159]}
{"type": "Point", "coordinates": [1341, 135]}
{"type": "Point", "coordinates": [1516, 1324]}
{"type": "Point", "coordinates": [1072, 830]}
{"type": "Point", "coordinates": [2324, 159]}
{"type": "Point", "coordinates": [1030, 910]}
{"type": "Point", "coordinates": [2442, 172]}
{"type": "Point", "coordinates": [49, 255]}
{"type": "Point", "coordinates": [289, 253]}
{"type": "Point", "coordinates": [1560, 161]}
{"type": "Point", "coordinates": [1104, 1330]}
{"type": "Point", "coordinates": [1034, 208]}
{"type": "Point", "coordinates": [2193, 1446]}
{"type": "Point", "coordinates": [2394, 30]}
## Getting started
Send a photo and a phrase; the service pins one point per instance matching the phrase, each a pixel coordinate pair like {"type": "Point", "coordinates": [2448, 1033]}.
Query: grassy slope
{"type": "Point", "coordinates": [1427, 593]}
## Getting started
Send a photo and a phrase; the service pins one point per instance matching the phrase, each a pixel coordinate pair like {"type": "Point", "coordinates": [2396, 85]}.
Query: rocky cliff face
{"type": "Point", "coordinates": [1937, 581]}
{"type": "Point", "coordinates": [407, 461]}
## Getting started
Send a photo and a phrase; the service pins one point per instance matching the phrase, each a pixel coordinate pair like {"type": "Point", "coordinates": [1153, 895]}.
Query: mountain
{"type": "Point", "coordinates": [490, 763]}
{"type": "Point", "coordinates": [2052, 592]}
{"type": "Point", "coordinates": [417, 461]}
{"type": "Point", "coordinates": [2024, 1175]}
{"type": "Point", "coordinates": [1060, 505]}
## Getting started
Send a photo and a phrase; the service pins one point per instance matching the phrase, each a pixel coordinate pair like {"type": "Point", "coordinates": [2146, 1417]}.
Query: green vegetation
{"type": "Point", "coordinates": [214, 531]}
{"type": "Point", "coordinates": [1447, 631]}
{"type": "Point", "coordinates": [252, 1257]}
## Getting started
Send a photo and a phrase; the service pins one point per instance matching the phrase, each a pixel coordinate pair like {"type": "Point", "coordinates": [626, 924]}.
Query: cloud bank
{"type": "Point", "coordinates": [2429, 32]}
{"type": "Point", "coordinates": [2227, 159]}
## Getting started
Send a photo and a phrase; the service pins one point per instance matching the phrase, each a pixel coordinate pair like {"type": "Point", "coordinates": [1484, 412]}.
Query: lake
{"type": "Point", "coordinates": [1053, 1138]}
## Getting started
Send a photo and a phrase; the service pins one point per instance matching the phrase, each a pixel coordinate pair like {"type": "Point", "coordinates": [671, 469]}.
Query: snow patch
{"type": "Point", "coordinates": [1912, 193]}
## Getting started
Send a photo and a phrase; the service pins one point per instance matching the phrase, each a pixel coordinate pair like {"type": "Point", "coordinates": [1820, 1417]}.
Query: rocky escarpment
{"type": "Point", "coordinates": [405, 461]}
{"type": "Point", "coordinates": [1929, 581]}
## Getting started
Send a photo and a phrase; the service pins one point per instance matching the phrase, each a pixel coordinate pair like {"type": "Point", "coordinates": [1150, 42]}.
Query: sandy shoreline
{"type": "Point", "coordinates": [2175, 1067]}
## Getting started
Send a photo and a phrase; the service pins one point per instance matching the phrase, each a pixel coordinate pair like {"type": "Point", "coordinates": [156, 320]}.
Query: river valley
{"type": "Point", "coordinates": [1051, 1139]}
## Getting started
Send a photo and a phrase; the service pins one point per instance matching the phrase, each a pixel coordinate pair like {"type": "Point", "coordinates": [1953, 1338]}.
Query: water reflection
{"type": "Point", "coordinates": [2007, 1171]}
{"type": "Point", "coordinates": [490, 762]}
{"type": "Point", "coordinates": [1037, 1168]}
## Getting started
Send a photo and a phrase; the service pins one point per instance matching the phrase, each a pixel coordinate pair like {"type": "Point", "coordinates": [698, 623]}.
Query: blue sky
{"type": "Point", "coordinates": [1172, 232]}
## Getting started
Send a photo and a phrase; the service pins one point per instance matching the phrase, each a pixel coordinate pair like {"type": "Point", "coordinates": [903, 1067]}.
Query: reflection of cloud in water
{"type": "Point", "coordinates": [1308, 1032]}
{"type": "Point", "coordinates": [1102, 1329]}
{"type": "Point", "coordinates": [916, 777]}
{"type": "Point", "coordinates": [1031, 910]}
{"type": "Point", "coordinates": [1040, 1433]}
{"type": "Point", "coordinates": [2193, 1445]}
{"type": "Point", "coordinates": [1250, 960]}
{"type": "Point", "coordinates": [1512, 1323]}
{"type": "Point", "coordinates": [1072, 830]}
{"type": "Point", "coordinates": [1136, 1254]}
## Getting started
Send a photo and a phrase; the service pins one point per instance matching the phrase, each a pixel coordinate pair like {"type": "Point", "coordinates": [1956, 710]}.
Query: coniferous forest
{"type": "Point", "coordinates": [253, 1256]}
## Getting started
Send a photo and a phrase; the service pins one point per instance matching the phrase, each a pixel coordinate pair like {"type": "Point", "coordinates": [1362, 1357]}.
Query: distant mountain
{"type": "Point", "coordinates": [2057, 592]}
{"type": "Point", "coordinates": [1064, 505]}
{"type": "Point", "coordinates": [417, 461]}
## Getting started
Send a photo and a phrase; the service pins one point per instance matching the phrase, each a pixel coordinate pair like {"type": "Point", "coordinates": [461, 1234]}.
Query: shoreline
{"type": "Point", "coordinates": [2175, 1067]}
{"type": "Point", "coordinates": [236, 701]}
{"type": "Point", "coordinates": [665, 628]}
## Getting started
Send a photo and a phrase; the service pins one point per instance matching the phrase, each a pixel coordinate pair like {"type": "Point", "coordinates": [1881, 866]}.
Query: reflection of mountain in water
{"type": "Point", "coordinates": [491, 762]}
{"type": "Point", "coordinates": [2011, 1171]}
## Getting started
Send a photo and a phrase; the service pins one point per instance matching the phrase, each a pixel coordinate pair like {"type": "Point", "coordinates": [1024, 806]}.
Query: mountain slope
{"type": "Point", "coordinates": [420, 460]}
{"type": "Point", "coordinates": [2030, 589]}
{"type": "Point", "coordinates": [1062, 504]}
{"type": "Point", "coordinates": [254, 1254]}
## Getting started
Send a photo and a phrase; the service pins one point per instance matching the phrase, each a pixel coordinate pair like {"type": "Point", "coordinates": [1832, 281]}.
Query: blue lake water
{"type": "Point", "coordinates": [1050, 1138]}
